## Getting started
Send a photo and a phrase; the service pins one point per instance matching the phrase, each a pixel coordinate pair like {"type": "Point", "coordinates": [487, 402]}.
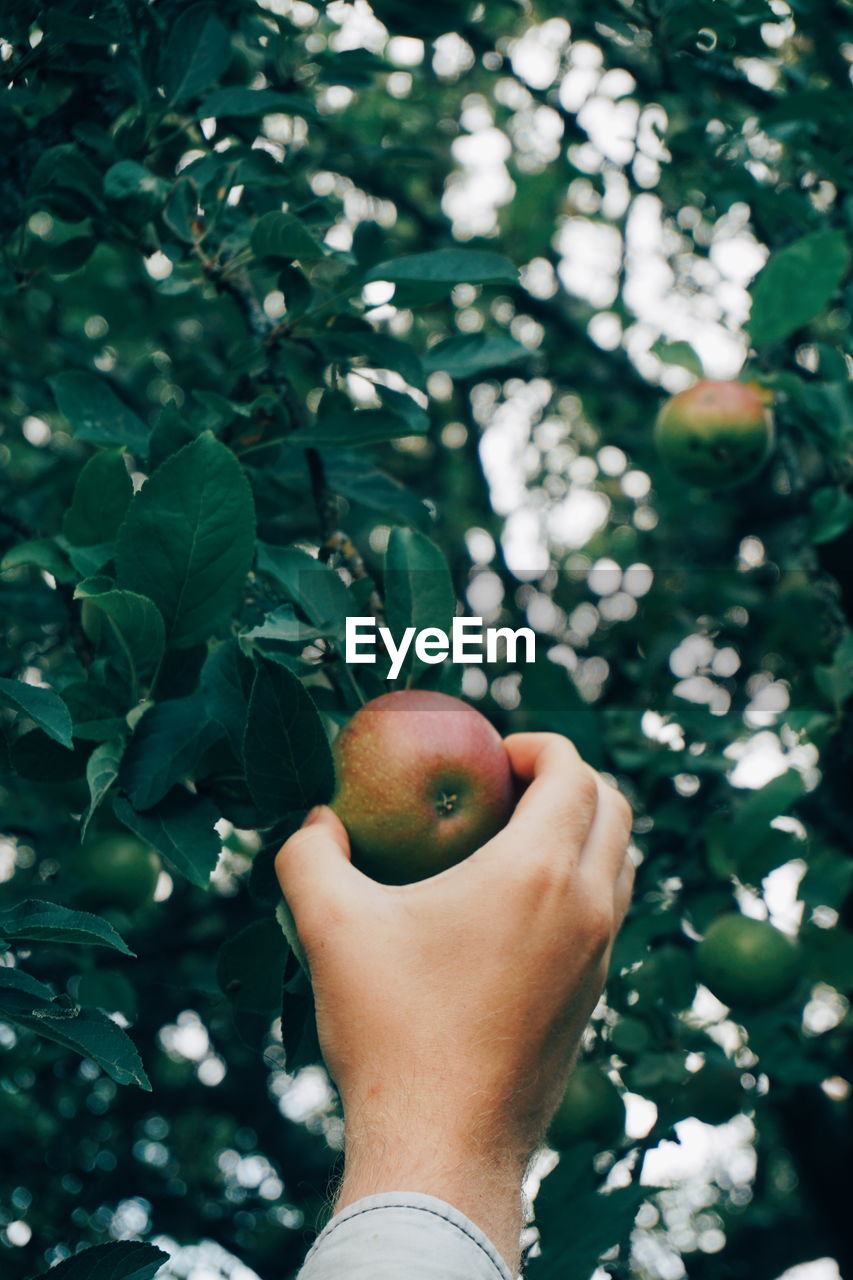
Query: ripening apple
{"type": "Point", "coordinates": [423, 779]}
{"type": "Point", "coordinates": [716, 434]}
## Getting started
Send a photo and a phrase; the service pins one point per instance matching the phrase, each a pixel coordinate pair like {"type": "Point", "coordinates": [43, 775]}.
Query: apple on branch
{"type": "Point", "coordinates": [716, 433]}
{"type": "Point", "coordinates": [423, 779]}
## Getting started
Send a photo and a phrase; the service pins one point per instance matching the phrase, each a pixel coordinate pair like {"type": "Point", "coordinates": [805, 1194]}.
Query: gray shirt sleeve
{"type": "Point", "coordinates": [402, 1235]}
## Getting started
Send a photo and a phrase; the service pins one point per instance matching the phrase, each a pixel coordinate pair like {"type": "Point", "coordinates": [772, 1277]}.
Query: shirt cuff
{"type": "Point", "coordinates": [402, 1236]}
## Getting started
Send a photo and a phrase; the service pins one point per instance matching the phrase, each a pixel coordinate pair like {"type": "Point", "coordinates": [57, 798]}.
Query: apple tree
{"type": "Point", "coordinates": [320, 310]}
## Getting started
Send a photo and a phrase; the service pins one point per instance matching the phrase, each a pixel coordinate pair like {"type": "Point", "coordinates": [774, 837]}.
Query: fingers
{"type": "Point", "coordinates": [568, 818]}
{"type": "Point", "coordinates": [561, 795]}
{"type": "Point", "coordinates": [607, 840]}
{"type": "Point", "coordinates": [315, 873]}
{"type": "Point", "coordinates": [624, 889]}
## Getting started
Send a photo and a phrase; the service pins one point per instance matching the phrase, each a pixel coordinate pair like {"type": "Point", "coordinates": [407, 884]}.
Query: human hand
{"type": "Point", "coordinates": [450, 1011]}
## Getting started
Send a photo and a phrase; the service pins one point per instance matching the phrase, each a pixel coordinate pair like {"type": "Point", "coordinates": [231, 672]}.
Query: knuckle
{"type": "Point", "coordinates": [544, 877]}
{"type": "Point", "coordinates": [598, 924]}
{"type": "Point", "coordinates": [586, 791]}
{"type": "Point", "coordinates": [623, 810]}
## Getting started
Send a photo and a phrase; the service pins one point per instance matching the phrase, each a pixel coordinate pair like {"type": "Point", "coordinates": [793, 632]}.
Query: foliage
{"type": "Point", "coordinates": [216, 416]}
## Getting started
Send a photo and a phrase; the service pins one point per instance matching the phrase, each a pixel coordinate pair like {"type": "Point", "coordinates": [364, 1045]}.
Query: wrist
{"type": "Point", "coordinates": [486, 1186]}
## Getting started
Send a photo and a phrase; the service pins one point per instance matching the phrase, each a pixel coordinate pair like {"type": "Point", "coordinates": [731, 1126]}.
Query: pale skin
{"type": "Point", "coordinates": [450, 1011]}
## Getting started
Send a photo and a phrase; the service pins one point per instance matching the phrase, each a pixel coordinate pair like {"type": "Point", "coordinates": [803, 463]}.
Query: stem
{"type": "Point", "coordinates": [323, 501]}
{"type": "Point", "coordinates": [80, 642]}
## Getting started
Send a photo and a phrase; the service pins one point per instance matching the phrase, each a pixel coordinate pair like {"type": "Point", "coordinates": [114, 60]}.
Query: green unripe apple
{"type": "Point", "coordinates": [746, 963]}
{"type": "Point", "coordinates": [423, 779]}
{"type": "Point", "coordinates": [114, 871]}
{"type": "Point", "coordinates": [591, 1110]}
{"type": "Point", "coordinates": [715, 434]}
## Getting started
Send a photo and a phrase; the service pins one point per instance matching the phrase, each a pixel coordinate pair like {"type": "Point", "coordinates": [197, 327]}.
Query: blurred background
{"type": "Point", "coordinates": [672, 181]}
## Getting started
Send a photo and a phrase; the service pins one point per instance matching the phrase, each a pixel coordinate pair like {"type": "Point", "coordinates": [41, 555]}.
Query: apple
{"type": "Point", "coordinates": [747, 963]}
{"type": "Point", "coordinates": [423, 779]}
{"type": "Point", "coordinates": [716, 433]}
{"type": "Point", "coordinates": [114, 870]}
{"type": "Point", "coordinates": [591, 1110]}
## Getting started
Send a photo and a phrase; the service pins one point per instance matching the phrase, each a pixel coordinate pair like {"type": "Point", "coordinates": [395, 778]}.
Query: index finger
{"type": "Point", "coordinates": [561, 791]}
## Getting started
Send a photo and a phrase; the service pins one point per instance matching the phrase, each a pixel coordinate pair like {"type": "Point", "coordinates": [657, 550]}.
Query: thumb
{"type": "Point", "coordinates": [314, 871]}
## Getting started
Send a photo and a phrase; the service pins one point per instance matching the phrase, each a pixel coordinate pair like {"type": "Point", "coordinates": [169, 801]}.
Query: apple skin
{"type": "Point", "coordinates": [716, 434]}
{"type": "Point", "coordinates": [423, 779]}
{"type": "Point", "coordinates": [746, 963]}
{"type": "Point", "coordinates": [591, 1110]}
{"type": "Point", "coordinates": [114, 870]}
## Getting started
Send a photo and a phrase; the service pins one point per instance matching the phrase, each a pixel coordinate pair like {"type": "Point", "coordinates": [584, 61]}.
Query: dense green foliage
{"type": "Point", "coordinates": [211, 420]}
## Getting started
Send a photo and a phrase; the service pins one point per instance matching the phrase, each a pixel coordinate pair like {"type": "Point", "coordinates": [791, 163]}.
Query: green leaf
{"type": "Point", "coordinates": [181, 210]}
{"type": "Point", "coordinates": [110, 990]}
{"type": "Point", "coordinates": [44, 706]}
{"type": "Point", "coordinates": [282, 624]}
{"type": "Point", "coordinates": [188, 540]}
{"type": "Point", "coordinates": [97, 711]}
{"type": "Point", "coordinates": [245, 103]}
{"type": "Point", "coordinates": [197, 52]}
{"type": "Point", "coordinates": [102, 770]}
{"type": "Point", "coordinates": [42, 553]}
{"type": "Point", "coordinates": [357, 478]}
{"type": "Point", "coordinates": [831, 514]}
{"type": "Point", "coordinates": [250, 968]}
{"type": "Point", "coordinates": [69, 256]}
{"type": "Point", "coordinates": [317, 590]}
{"type": "Point", "coordinates": [226, 682]}
{"type": "Point", "coordinates": [287, 925]}
{"type": "Point", "coordinates": [339, 422]}
{"type": "Point", "coordinates": [88, 1032]}
{"type": "Point", "coordinates": [298, 1010]}
{"type": "Point", "coordinates": [470, 353]}
{"type": "Point", "coordinates": [181, 829]}
{"type": "Point", "coordinates": [120, 1260]}
{"type": "Point", "coordinates": [102, 495]}
{"type": "Point", "coordinates": [367, 426]}
{"type": "Point", "coordinates": [678, 353]}
{"type": "Point", "coordinates": [447, 266]}
{"type": "Point", "coordinates": [96, 413]}
{"type": "Point", "coordinates": [405, 407]}
{"type": "Point", "coordinates": [38, 921]}
{"type": "Point", "coordinates": [71, 29]}
{"type": "Point", "coordinates": [89, 561]}
{"type": "Point", "coordinates": [66, 182]}
{"type": "Point", "coordinates": [284, 236]}
{"type": "Point", "coordinates": [136, 622]}
{"type": "Point", "coordinates": [169, 741]}
{"type": "Point", "coordinates": [169, 434]}
{"type": "Point", "coordinates": [796, 284]}
{"type": "Point", "coordinates": [579, 1223]}
{"type": "Point", "coordinates": [375, 350]}
{"type": "Point", "coordinates": [835, 680]}
{"type": "Point", "coordinates": [828, 879]}
{"type": "Point", "coordinates": [131, 184]}
{"type": "Point", "coordinates": [418, 593]}
{"type": "Point", "coordinates": [287, 754]}
{"type": "Point", "coordinates": [829, 955]}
